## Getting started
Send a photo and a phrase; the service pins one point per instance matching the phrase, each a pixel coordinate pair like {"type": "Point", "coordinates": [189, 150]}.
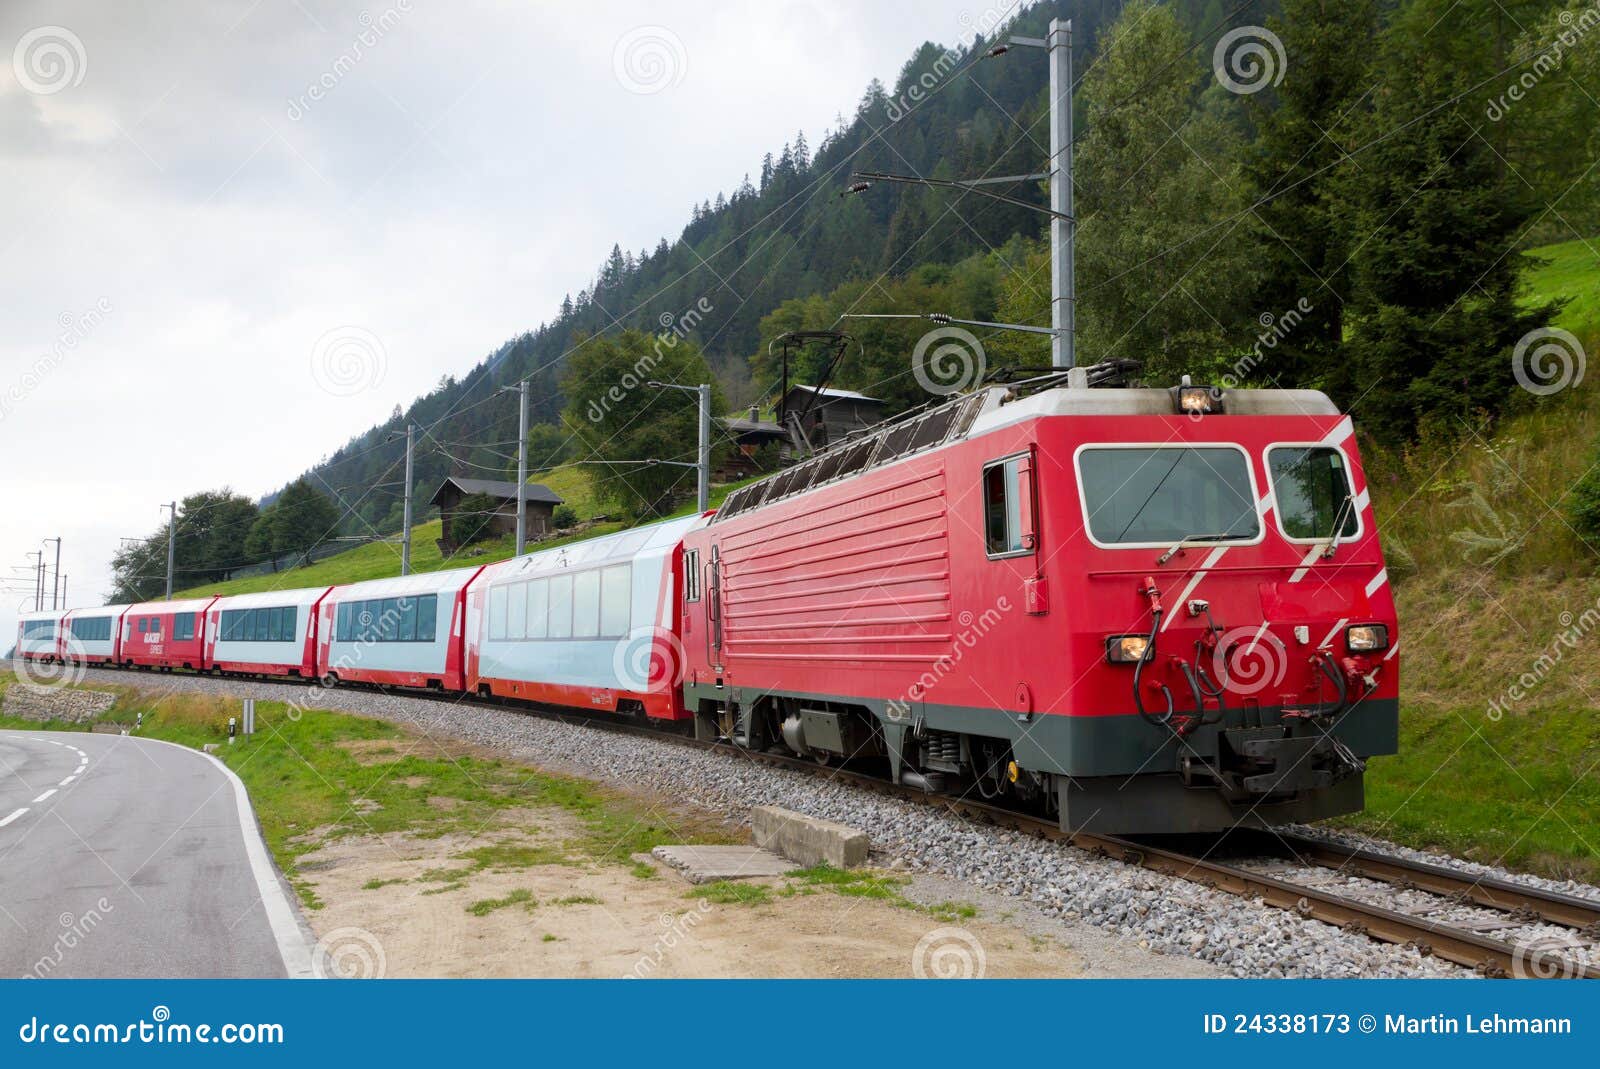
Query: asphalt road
{"type": "Point", "coordinates": [127, 857]}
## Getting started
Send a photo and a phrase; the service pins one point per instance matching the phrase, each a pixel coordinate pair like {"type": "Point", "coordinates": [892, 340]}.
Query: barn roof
{"type": "Point", "coordinates": [828, 391]}
{"type": "Point", "coordinates": [506, 490]}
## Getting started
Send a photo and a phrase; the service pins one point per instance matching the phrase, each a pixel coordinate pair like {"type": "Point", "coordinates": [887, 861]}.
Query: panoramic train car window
{"type": "Point", "coordinates": [258, 625]}
{"type": "Point", "coordinates": [1161, 495]}
{"type": "Point", "coordinates": [1312, 489]}
{"type": "Point", "coordinates": [386, 620]}
{"type": "Point", "coordinates": [1007, 517]}
{"type": "Point", "coordinates": [95, 630]}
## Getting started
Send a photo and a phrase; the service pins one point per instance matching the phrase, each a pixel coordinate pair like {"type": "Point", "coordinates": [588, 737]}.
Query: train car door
{"type": "Point", "coordinates": [714, 610]}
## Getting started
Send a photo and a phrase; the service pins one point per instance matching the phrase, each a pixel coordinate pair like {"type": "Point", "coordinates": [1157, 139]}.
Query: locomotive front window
{"type": "Point", "coordinates": [1312, 489]}
{"type": "Point", "coordinates": [1161, 495]}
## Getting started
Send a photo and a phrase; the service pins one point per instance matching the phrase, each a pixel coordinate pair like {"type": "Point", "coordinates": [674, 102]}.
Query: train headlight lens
{"type": "Point", "coordinates": [1365, 638]}
{"type": "Point", "coordinates": [1126, 649]}
{"type": "Point", "coordinates": [1194, 401]}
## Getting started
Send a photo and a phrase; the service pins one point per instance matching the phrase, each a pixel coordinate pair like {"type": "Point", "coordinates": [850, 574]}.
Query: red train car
{"type": "Point", "coordinates": [1147, 610]}
{"type": "Point", "coordinates": [165, 634]}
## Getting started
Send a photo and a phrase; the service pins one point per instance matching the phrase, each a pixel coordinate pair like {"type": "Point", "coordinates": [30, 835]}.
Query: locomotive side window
{"type": "Point", "coordinates": [1003, 490]}
{"type": "Point", "coordinates": [1160, 495]}
{"type": "Point", "coordinates": [1312, 487]}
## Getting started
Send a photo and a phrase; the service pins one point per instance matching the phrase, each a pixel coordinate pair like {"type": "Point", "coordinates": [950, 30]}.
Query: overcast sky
{"type": "Point", "coordinates": [210, 212]}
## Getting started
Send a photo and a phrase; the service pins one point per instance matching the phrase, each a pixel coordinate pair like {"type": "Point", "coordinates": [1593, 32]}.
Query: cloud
{"type": "Point", "coordinates": [474, 163]}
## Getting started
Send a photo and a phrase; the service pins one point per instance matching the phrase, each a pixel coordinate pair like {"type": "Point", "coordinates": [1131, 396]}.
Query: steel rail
{"type": "Point", "coordinates": [1491, 892]}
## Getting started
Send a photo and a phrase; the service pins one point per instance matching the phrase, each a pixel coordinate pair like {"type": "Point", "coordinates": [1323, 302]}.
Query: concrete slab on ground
{"type": "Point", "coordinates": [808, 840]}
{"type": "Point", "coordinates": [708, 864]}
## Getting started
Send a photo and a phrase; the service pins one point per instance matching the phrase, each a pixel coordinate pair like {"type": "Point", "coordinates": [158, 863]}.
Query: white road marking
{"type": "Point", "coordinates": [43, 796]}
{"type": "Point", "coordinates": [293, 946]}
{"type": "Point", "coordinates": [13, 816]}
{"type": "Point", "coordinates": [68, 780]}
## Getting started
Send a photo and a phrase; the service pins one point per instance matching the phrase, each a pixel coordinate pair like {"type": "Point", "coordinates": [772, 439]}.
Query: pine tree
{"type": "Point", "coordinates": [1303, 232]}
{"type": "Point", "coordinates": [1433, 313]}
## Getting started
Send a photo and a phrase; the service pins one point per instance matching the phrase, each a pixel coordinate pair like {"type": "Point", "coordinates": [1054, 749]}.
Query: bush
{"type": "Point", "coordinates": [1583, 506]}
{"type": "Point", "coordinates": [470, 521]}
{"type": "Point", "coordinates": [563, 517]}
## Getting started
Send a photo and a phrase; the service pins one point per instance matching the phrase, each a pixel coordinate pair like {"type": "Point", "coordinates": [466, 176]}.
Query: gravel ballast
{"type": "Point", "coordinates": [1152, 911]}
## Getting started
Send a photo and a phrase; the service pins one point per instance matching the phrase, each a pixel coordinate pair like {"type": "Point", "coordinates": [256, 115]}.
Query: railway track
{"type": "Point", "coordinates": [1578, 917]}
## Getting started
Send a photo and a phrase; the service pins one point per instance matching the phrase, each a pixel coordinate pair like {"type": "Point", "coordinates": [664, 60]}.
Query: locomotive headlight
{"type": "Point", "coordinates": [1127, 649]}
{"type": "Point", "coordinates": [1364, 638]}
{"type": "Point", "coordinates": [1194, 401]}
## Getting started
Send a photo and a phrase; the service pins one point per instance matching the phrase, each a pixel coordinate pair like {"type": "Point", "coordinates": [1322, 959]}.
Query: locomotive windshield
{"type": "Point", "coordinates": [1311, 487]}
{"type": "Point", "coordinates": [1159, 495]}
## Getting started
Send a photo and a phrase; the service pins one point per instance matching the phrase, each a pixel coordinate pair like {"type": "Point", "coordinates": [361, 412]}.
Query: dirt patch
{"type": "Point", "coordinates": [437, 911]}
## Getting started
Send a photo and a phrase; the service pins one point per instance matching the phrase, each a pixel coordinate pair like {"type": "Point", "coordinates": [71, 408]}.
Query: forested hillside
{"type": "Point", "coordinates": [1329, 193]}
{"type": "Point", "coordinates": [783, 233]}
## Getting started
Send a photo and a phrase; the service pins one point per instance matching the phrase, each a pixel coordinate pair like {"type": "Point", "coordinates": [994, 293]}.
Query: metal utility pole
{"type": "Point", "coordinates": [63, 592]}
{"type": "Point", "coordinates": [172, 544]}
{"type": "Point", "coordinates": [702, 463]}
{"type": "Point", "coordinates": [521, 390]}
{"type": "Point", "coordinates": [704, 495]}
{"type": "Point", "coordinates": [38, 580]}
{"type": "Point", "coordinates": [55, 586]}
{"type": "Point", "coordinates": [1063, 291]}
{"type": "Point", "coordinates": [1063, 226]}
{"type": "Point", "coordinates": [405, 546]}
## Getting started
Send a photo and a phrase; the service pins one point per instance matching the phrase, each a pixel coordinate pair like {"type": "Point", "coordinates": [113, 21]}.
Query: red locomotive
{"type": "Point", "coordinates": [1147, 610]}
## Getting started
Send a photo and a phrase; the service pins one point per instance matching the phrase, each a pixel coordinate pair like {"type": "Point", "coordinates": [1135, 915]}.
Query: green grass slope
{"type": "Point", "coordinates": [1499, 603]}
